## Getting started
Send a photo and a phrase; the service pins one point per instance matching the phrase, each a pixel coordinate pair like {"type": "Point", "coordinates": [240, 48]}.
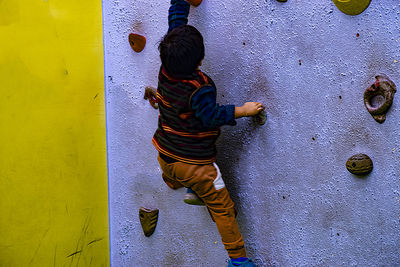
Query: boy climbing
{"type": "Point", "coordinates": [188, 127]}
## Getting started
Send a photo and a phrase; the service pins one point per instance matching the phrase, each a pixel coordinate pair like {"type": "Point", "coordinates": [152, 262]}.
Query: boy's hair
{"type": "Point", "coordinates": [182, 50]}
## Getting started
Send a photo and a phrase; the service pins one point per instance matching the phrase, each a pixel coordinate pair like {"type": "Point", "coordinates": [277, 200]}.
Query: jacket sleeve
{"type": "Point", "coordinates": [210, 113]}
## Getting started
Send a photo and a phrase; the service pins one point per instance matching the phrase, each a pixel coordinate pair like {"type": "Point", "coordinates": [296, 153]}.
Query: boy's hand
{"type": "Point", "coordinates": [248, 109]}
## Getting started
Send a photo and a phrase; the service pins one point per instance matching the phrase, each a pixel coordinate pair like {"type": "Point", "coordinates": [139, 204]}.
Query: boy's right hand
{"type": "Point", "coordinates": [248, 109]}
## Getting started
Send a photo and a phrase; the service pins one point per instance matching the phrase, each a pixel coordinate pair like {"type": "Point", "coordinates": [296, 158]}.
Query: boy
{"type": "Point", "coordinates": [188, 126]}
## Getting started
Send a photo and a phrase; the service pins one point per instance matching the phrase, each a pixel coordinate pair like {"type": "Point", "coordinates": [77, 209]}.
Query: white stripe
{"type": "Point", "coordinates": [218, 182]}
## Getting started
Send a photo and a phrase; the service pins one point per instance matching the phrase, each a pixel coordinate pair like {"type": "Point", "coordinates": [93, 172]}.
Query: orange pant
{"type": "Point", "coordinates": [200, 178]}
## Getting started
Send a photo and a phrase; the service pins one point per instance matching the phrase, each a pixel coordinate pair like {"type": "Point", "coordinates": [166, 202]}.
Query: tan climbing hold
{"type": "Point", "coordinates": [352, 7]}
{"type": "Point", "coordinates": [148, 220]}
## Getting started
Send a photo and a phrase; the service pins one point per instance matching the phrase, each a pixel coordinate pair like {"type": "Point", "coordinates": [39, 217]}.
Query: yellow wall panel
{"type": "Point", "coordinates": [53, 167]}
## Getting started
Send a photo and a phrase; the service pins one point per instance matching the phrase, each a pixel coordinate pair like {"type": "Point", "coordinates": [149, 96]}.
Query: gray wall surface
{"type": "Point", "coordinates": [298, 205]}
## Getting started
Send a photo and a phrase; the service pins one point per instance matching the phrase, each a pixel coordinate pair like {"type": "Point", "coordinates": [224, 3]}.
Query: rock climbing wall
{"type": "Point", "coordinates": [298, 204]}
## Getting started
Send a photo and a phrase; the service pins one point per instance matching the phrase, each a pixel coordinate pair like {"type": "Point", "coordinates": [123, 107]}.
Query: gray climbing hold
{"type": "Point", "coordinates": [378, 98]}
{"type": "Point", "coordinates": [260, 118]}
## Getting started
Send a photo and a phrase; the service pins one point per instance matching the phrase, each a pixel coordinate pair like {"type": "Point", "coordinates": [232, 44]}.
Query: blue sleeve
{"type": "Point", "coordinates": [178, 14]}
{"type": "Point", "coordinates": [209, 112]}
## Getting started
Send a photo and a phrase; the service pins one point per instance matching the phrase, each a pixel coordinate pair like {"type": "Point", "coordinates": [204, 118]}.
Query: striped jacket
{"type": "Point", "coordinates": [180, 135]}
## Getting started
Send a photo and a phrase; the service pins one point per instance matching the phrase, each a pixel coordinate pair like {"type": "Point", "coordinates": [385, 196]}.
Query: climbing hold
{"type": "Point", "coordinates": [378, 98]}
{"type": "Point", "coordinates": [359, 164]}
{"type": "Point", "coordinates": [260, 118]}
{"type": "Point", "coordinates": [281, 1]}
{"type": "Point", "coordinates": [194, 2]}
{"type": "Point", "coordinates": [352, 7]}
{"type": "Point", "coordinates": [137, 42]}
{"type": "Point", "coordinates": [150, 93]}
{"type": "Point", "coordinates": [148, 220]}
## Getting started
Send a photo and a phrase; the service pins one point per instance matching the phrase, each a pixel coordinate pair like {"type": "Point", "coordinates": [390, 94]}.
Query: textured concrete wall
{"type": "Point", "coordinates": [298, 205]}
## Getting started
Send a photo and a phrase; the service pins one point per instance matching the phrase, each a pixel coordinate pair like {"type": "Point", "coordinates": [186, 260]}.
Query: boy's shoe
{"type": "Point", "coordinates": [194, 2]}
{"type": "Point", "coordinates": [192, 199]}
{"type": "Point", "coordinates": [246, 263]}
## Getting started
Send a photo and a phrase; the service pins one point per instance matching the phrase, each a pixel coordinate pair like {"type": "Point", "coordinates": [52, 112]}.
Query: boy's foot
{"type": "Point", "coordinates": [194, 2]}
{"type": "Point", "coordinates": [192, 199]}
{"type": "Point", "coordinates": [241, 262]}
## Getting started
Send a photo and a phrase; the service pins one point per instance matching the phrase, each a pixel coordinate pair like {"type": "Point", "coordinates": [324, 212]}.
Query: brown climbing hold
{"type": "Point", "coordinates": [150, 93]}
{"type": "Point", "coordinates": [137, 42]}
{"type": "Point", "coordinates": [148, 220]}
{"type": "Point", "coordinates": [194, 2]}
{"type": "Point", "coordinates": [359, 164]}
{"type": "Point", "coordinates": [378, 98]}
